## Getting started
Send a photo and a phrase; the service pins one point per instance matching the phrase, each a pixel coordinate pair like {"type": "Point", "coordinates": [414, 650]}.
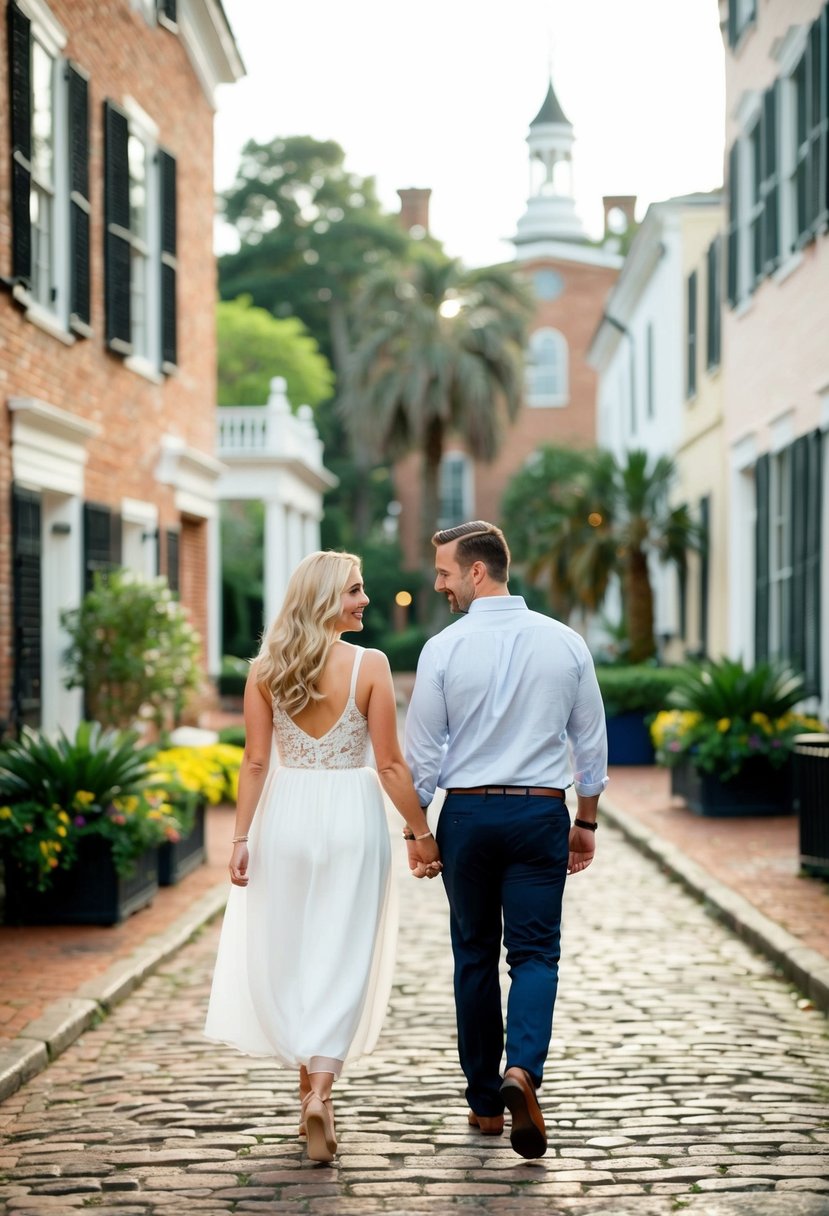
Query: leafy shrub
{"type": "Point", "coordinates": [403, 649]}
{"type": "Point", "coordinates": [640, 688]}
{"type": "Point", "coordinates": [132, 651]}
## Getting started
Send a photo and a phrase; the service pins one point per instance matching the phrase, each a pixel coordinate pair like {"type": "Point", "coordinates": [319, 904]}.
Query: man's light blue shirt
{"type": "Point", "coordinates": [506, 696]}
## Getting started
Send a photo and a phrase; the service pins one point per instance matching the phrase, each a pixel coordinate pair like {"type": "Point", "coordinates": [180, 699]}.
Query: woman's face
{"type": "Point", "coordinates": [353, 602]}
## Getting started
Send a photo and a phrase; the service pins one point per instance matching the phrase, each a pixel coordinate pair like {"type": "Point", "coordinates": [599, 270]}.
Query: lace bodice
{"type": "Point", "coordinates": [343, 746]}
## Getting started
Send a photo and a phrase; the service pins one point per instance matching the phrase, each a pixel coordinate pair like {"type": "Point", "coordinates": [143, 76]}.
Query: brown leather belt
{"type": "Point", "coordinates": [526, 791]}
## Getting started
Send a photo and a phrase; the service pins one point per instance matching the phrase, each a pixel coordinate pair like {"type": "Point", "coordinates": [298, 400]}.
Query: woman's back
{"type": "Point", "coordinates": [331, 733]}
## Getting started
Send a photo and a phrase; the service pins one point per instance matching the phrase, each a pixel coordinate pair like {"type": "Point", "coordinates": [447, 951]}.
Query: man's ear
{"type": "Point", "coordinates": [479, 571]}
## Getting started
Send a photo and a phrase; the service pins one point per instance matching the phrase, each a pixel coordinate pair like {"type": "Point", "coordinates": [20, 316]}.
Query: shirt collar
{"type": "Point", "coordinates": [497, 603]}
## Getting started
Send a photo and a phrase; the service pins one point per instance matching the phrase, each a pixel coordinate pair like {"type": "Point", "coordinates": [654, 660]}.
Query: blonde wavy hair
{"type": "Point", "coordinates": [295, 648]}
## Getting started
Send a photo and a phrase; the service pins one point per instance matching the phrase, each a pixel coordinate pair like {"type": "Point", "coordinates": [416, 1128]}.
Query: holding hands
{"type": "Point", "coordinates": [424, 855]}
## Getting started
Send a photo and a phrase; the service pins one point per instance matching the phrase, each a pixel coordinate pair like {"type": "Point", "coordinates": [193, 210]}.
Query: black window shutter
{"type": "Point", "coordinates": [771, 183]}
{"type": "Point", "coordinates": [20, 87]}
{"type": "Point", "coordinates": [27, 586]}
{"type": "Point", "coordinates": [691, 336]}
{"type": "Point", "coordinates": [733, 32]}
{"type": "Point", "coordinates": [173, 580]}
{"type": "Point", "coordinates": [816, 212]}
{"type": "Point", "coordinates": [704, 571]}
{"type": "Point", "coordinates": [733, 235]}
{"type": "Point", "coordinates": [169, 327]}
{"type": "Point", "coordinates": [101, 541]}
{"type": "Point", "coordinates": [78, 107]}
{"type": "Point", "coordinates": [794, 647]}
{"type": "Point", "coordinates": [812, 563]}
{"type": "Point", "coordinates": [714, 317]}
{"type": "Point", "coordinates": [167, 9]}
{"type": "Point", "coordinates": [117, 227]}
{"type": "Point", "coordinates": [761, 561]}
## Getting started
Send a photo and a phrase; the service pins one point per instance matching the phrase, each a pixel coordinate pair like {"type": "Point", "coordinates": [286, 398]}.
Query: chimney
{"type": "Point", "coordinates": [414, 211]}
{"type": "Point", "coordinates": [615, 224]}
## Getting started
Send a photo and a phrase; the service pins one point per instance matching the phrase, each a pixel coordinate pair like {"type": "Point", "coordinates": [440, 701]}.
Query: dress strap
{"type": "Point", "coordinates": [358, 658]}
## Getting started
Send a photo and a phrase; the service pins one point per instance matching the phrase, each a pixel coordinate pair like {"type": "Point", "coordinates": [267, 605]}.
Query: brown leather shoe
{"type": "Point", "coordinates": [487, 1125]}
{"type": "Point", "coordinates": [528, 1135]}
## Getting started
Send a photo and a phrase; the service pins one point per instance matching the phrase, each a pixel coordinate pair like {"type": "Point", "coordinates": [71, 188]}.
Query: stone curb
{"type": "Point", "coordinates": [808, 969]}
{"type": "Point", "coordinates": [64, 1020]}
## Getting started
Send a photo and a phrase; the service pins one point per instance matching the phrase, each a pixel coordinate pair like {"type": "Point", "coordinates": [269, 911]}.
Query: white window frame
{"type": "Point", "coordinates": [52, 315]}
{"type": "Point", "coordinates": [455, 467]}
{"type": "Point", "coordinates": [558, 394]}
{"type": "Point", "coordinates": [147, 361]}
{"type": "Point", "coordinates": [790, 56]}
{"type": "Point", "coordinates": [780, 556]}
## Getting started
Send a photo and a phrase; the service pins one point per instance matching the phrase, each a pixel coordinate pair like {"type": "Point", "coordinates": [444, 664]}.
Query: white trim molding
{"type": "Point", "coordinates": [193, 474]}
{"type": "Point", "coordinates": [48, 446]}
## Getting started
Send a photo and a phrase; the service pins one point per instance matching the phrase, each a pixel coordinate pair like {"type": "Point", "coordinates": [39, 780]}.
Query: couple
{"type": "Point", "coordinates": [305, 959]}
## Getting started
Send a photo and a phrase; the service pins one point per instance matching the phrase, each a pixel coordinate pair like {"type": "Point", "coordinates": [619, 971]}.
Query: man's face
{"type": "Point", "coordinates": [456, 584]}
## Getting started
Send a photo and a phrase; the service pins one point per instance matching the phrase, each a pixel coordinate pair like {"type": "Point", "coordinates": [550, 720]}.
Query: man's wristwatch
{"type": "Point", "coordinates": [586, 824]}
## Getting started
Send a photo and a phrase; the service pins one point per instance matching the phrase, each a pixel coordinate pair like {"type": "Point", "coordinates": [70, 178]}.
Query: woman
{"type": "Point", "coordinates": [305, 959]}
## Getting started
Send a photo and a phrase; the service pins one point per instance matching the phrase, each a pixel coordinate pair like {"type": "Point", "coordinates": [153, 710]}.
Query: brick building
{"type": "Point", "coordinates": [107, 331]}
{"type": "Point", "coordinates": [571, 279]}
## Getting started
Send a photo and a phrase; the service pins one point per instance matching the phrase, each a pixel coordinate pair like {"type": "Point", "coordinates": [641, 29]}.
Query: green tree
{"type": "Point", "coordinates": [255, 346]}
{"type": "Point", "coordinates": [598, 518]}
{"type": "Point", "coordinates": [440, 353]}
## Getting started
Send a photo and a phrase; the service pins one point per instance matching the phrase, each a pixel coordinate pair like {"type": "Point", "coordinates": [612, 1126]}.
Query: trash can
{"type": "Point", "coordinates": [811, 801]}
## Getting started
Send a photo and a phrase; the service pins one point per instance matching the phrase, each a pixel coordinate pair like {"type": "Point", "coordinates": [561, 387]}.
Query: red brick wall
{"type": "Point", "coordinates": [576, 314]}
{"type": "Point", "coordinates": [123, 56]}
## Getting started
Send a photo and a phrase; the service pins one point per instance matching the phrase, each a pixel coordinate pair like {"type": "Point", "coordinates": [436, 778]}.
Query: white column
{"type": "Point", "coordinates": [214, 596]}
{"type": "Point", "coordinates": [296, 539]}
{"type": "Point", "coordinates": [276, 558]}
{"type": "Point", "coordinates": [61, 564]}
{"type": "Point", "coordinates": [310, 534]}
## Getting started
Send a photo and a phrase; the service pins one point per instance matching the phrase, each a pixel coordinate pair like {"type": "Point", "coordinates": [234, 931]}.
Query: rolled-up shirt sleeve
{"type": "Point", "coordinates": [587, 734]}
{"type": "Point", "coordinates": [426, 726]}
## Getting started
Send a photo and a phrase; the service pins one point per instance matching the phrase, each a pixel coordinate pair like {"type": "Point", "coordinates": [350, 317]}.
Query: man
{"type": "Point", "coordinates": [498, 697]}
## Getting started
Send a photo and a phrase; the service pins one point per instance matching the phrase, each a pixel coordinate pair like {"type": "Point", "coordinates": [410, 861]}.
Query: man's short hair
{"type": "Point", "coordinates": [478, 541]}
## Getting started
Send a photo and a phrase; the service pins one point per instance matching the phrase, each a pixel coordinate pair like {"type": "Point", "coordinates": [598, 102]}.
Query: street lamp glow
{"type": "Point", "coordinates": [403, 599]}
{"type": "Point", "coordinates": [450, 307]}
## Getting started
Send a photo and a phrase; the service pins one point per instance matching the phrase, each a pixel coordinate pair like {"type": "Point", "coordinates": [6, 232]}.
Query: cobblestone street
{"type": "Point", "coordinates": [683, 1075]}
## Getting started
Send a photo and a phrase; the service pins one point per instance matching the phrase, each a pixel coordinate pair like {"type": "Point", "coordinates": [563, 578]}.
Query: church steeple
{"type": "Point", "coordinates": [551, 208]}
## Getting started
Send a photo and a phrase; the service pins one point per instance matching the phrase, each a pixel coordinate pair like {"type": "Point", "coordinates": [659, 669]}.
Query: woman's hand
{"type": "Point", "coordinates": [239, 864]}
{"type": "Point", "coordinates": [424, 857]}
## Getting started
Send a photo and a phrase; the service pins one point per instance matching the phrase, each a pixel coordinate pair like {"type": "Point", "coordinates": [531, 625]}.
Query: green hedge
{"type": "Point", "coordinates": [403, 649]}
{"type": "Point", "coordinates": [233, 734]}
{"type": "Point", "coordinates": [635, 689]}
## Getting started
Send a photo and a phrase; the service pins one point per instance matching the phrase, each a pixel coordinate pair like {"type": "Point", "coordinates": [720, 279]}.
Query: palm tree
{"type": "Point", "coordinates": [440, 352]}
{"type": "Point", "coordinates": [608, 518]}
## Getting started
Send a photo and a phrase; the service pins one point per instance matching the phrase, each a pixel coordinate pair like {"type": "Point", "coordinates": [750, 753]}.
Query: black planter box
{"type": "Point", "coordinates": [628, 739]}
{"type": "Point", "coordinates": [811, 802]}
{"type": "Point", "coordinates": [758, 789]}
{"type": "Point", "coordinates": [180, 857]}
{"type": "Point", "coordinates": [91, 893]}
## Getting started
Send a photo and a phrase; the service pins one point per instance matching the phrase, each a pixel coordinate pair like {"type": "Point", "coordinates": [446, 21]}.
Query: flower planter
{"type": "Point", "coordinates": [811, 802]}
{"type": "Point", "coordinates": [758, 789]}
{"type": "Point", "coordinates": [92, 892]}
{"type": "Point", "coordinates": [628, 739]}
{"type": "Point", "coordinates": [179, 857]}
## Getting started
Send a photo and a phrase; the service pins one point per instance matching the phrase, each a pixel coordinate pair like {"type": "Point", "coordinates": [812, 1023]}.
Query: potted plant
{"type": "Point", "coordinates": [729, 736]}
{"type": "Point", "coordinates": [80, 821]}
{"type": "Point", "coordinates": [198, 775]}
{"type": "Point", "coordinates": [631, 695]}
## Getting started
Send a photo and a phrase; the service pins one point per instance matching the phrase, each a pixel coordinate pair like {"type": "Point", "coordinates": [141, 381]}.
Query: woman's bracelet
{"type": "Point", "coordinates": [238, 839]}
{"type": "Point", "coordinates": [408, 834]}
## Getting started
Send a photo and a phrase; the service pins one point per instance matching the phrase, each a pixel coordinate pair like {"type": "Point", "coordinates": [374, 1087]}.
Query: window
{"type": "Point", "coordinates": [704, 571]}
{"type": "Point", "coordinates": [547, 369]}
{"type": "Point", "coordinates": [780, 552]}
{"type": "Point", "coordinates": [50, 173]}
{"type": "Point", "coordinates": [809, 110]}
{"type": "Point", "coordinates": [455, 489]}
{"type": "Point", "coordinates": [713, 328]}
{"type": "Point", "coordinates": [140, 262]}
{"type": "Point", "coordinates": [754, 211]}
{"type": "Point", "coordinates": [691, 336]}
{"type": "Point", "coordinates": [741, 13]}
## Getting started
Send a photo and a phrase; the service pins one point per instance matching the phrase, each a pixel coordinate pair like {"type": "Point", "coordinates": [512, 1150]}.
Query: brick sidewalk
{"type": "Point", "coordinates": [41, 964]}
{"type": "Point", "coordinates": [758, 858]}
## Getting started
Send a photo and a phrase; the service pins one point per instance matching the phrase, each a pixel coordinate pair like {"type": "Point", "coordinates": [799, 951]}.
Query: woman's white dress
{"type": "Point", "coordinates": [306, 954]}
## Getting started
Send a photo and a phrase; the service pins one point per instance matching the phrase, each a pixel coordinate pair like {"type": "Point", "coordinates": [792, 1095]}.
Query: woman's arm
{"type": "Point", "coordinates": [252, 773]}
{"type": "Point", "coordinates": [391, 767]}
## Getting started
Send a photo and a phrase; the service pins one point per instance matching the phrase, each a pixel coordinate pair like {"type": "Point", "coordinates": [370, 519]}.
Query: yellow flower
{"type": "Point", "coordinates": [5, 812]}
{"type": "Point", "coordinates": [762, 720]}
{"type": "Point", "coordinates": [61, 830]}
{"type": "Point", "coordinates": [63, 817]}
{"type": "Point", "coordinates": [723, 725]}
{"type": "Point", "coordinates": [84, 797]}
